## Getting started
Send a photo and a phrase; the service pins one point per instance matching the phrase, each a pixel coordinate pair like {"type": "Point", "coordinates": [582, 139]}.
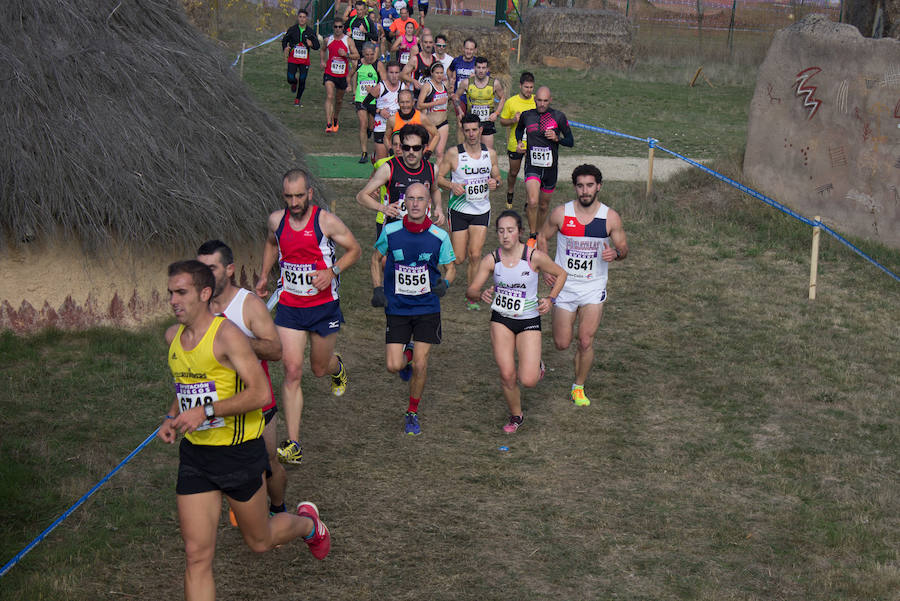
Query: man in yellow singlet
{"type": "Point", "coordinates": [220, 389]}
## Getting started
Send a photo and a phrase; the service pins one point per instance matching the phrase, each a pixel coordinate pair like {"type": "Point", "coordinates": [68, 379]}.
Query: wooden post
{"type": "Point", "coordinates": [519, 47]}
{"type": "Point", "coordinates": [696, 75]}
{"type": "Point", "coordinates": [814, 260]}
{"type": "Point", "coordinates": [650, 171]}
{"type": "Point", "coordinates": [243, 51]}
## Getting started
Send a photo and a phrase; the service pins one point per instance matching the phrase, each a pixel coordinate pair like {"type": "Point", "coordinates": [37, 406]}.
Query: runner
{"type": "Point", "coordinates": [365, 76]}
{"type": "Point", "coordinates": [440, 54]}
{"type": "Point", "coordinates": [413, 286]}
{"type": "Point", "coordinates": [515, 309]}
{"type": "Point", "coordinates": [462, 67]}
{"type": "Point", "coordinates": [418, 69]}
{"type": "Point", "coordinates": [388, 16]}
{"type": "Point", "coordinates": [406, 45]}
{"type": "Point", "coordinates": [245, 310]}
{"type": "Point", "coordinates": [338, 52]}
{"type": "Point", "coordinates": [398, 27]}
{"type": "Point", "coordinates": [376, 266]}
{"type": "Point", "coordinates": [219, 389]}
{"type": "Point", "coordinates": [302, 238]}
{"type": "Point", "coordinates": [541, 130]}
{"type": "Point", "coordinates": [407, 113]}
{"type": "Point", "coordinates": [484, 96]}
{"type": "Point", "coordinates": [396, 175]}
{"type": "Point", "coordinates": [433, 100]}
{"type": "Point", "coordinates": [512, 110]}
{"type": "Point", "coordinates": [473, 174]}
{"type": "Point", "coordinates": [386, 105]}
{"type": "Point", "coordinates": [298, 40]}
{"type": "Point", "coordinates": [361, 27]}
{"type": "Point", "coordinates": [584, 229]}
{"type": "Point", "coordinates": [423, 11]}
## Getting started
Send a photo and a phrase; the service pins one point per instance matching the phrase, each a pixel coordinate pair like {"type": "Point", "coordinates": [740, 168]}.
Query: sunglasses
{"type": "Point", "coordinates": [413, 147]}
{"type": "Point", "coordinates": [440, 45]}
{"type": "Point", "coordinates": [338, 26]}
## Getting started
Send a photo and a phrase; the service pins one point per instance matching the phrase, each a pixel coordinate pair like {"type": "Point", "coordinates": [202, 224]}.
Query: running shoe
{"type": "Point", "coordinates": [514, 423]}
{"type": "Point", "coordinates": [320, 542]}
{"type": "Point", "coordinates": [339, 381]}
{"type": "Point", "coordinates": [329, 129]}
{"type": "Point", "coordinates": [296, 102]}
{"type": "Point", "coordinates": [532, 240]}
{"type": "Point", "coordinates": [472, 306]}
{"type": "Point", "coordinates": [364, 158]}
{"type": "Point", "coordinates": [578, 396]}
{"type": "Point", "coordinates": [406, 373]}
{"type": "Point", "coordinates": [412, 424]}
{"type": "Point", "coordinates": [290, 452]}
{"type": "Point", "coordinates": [509, 201]}
{"type": "Point", "coordinates": [231, 517]}
{"type": "Point", "coordinates": [334, 128]}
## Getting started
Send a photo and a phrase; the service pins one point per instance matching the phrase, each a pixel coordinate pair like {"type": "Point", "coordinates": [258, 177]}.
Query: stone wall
{"type": "Point", "coordinates": [823, 134]}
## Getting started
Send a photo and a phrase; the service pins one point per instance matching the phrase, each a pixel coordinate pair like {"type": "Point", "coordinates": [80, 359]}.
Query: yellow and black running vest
{"type": "Point", "coordinates": [200, 379]}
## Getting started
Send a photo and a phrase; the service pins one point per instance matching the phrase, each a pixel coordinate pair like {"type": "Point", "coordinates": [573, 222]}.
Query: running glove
{"type": "Point", "coordinates": [440, 288]}
{"type": "Point", "coordinates": [378, 298]}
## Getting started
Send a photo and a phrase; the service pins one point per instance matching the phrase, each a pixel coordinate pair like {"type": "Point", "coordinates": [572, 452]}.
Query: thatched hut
{"type": "Point", "coordinates": [577, 37]}
{"type": "Point", "coordinates": [128, 141]}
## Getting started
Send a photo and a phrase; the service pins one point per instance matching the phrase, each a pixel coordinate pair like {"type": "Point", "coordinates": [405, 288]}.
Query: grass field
{"type": "Point", "coordinates": [742, 443]}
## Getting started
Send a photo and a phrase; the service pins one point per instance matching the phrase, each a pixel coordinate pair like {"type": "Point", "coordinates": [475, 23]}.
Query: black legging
{"type": "Point", "coordinates": [296, 74]}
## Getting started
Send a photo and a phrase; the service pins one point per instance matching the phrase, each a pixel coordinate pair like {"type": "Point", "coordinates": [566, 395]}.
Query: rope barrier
{"type": "Point", "coordinates": [71, 509]}
{"type": "Point", "coordinates": [654, 143]}
{"type": "Point", "coordinates": [246, 50]}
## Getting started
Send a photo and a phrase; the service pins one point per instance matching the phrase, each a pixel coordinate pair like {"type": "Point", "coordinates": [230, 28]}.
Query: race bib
{"type": "Point", "coordinates": [581, 263]}
{"type": "Point", "coordinates": [509, 302]}
{"type": "Point", "coordinates": [386, 23]}
{"type": "Point", "coordinates": [477, 189]}
{"type": "Point", "coordinates": [196, 395]}
{"type": "Point", "coordinates": [362, 86]}
{"type": "Point", "coordinates": [541, 156]}
{"type": "Point", "coordinates": [359, 34]}
{"type": "Point", "coordinates": [297, 278]}
{"type": "Point", "coordinates": [482, 111]}
{"type": "Point", "coordinates": [404, 58]}
{"type": "Point", "coordinates": [411, 280]}
{"type": "Point", "coordinates": [338, 66]}
{"type": "Point", "coordinates": [402, 201]}
{"type": "Point", "coordinates": [300, 52]}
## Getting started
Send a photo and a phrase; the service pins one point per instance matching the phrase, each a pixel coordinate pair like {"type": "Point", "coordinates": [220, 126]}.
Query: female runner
{"type": "Point", "coordinates": [515, 309]}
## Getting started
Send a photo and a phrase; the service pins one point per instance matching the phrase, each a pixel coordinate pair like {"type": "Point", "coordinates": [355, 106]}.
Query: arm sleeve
{"type": "Point", "coordinates": [446, 255]}
{"type": "Point", "coordinates": [567, 138]}
{"type": "Point", "coordinates": [312, 38]}
{"type": "Point", "coordinates": [520, 128]}
{"type": "Point", "coordinates": [381, 244]}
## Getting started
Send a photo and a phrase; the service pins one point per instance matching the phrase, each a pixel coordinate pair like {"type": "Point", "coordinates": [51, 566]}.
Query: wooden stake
{"type": "Point", "coordinates": [696, 75]}
{"type": "Point", "coordinates": [519, 49]}
{"type": "Point", "coordinates": [650, 172]}
{"type": "Point", "coordinates": [243, 51]}
{"type": "Point", "coordinates": [814, 260]}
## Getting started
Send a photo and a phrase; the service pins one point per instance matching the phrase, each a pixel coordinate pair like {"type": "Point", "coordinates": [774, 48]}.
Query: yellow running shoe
{"type": "Point", "coordinates": [339, 380]}
{"type": "Point", "coordinates": [578, 396]}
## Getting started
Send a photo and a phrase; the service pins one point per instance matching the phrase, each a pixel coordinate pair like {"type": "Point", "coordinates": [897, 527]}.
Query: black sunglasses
{"type": "Point", "coordinates": [414, 147]}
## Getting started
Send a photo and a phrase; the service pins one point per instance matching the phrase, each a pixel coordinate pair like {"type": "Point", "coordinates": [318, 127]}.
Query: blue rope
{"type": "Point", "coordinates": [245, 50]}
{"type": "Point", "coordinates": [654, 143]}
{"type": "Point", "coordinates": [78, 504]}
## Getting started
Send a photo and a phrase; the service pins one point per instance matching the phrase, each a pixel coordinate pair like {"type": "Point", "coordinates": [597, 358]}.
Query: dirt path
{"type": "Point", "coordinates": [621, 169]}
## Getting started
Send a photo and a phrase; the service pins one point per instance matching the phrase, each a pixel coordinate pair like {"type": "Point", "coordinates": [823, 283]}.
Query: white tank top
{"type": "Point", "coordinates": [473, 174]}
{"type": "Point", "coordinates": [515, 288]}
{"type": "Point", "coordinates": [234, 312]}
{"type": "Point", "coordinates": [578, 249]}
{"type": "Point", "coordinates": [387, 100]}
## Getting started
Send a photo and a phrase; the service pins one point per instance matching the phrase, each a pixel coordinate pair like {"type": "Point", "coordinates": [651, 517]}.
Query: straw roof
{"type": "Point", "coordinates": [122, 122]}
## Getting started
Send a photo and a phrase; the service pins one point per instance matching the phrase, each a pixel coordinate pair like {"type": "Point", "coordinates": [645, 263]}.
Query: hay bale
{"type": "Point", "coordinates": [598, 37]}
{"type": "Point", "coordinates": [128, 141]}
{"type": "Point", "coordinates": [494, 44]}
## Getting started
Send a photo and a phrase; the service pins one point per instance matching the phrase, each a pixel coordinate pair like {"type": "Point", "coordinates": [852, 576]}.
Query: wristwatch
{"type": "Point", "coordinates": [335, 269]}
{"type": "Point", "coordinates": [209, 411]}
